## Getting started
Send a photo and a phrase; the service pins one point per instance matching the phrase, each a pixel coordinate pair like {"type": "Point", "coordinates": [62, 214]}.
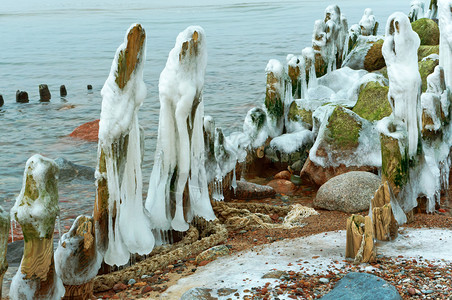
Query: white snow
{"type": "Point", "coordinates": [117, 120]}
{"type": "Point", "coordinates": [24, 289]}
{"type": "Point", "coordinates": [291, 142]}
{"type": "Point", "coordinates": [178, 152]}
{"type": "Point", "coordinates": [316, 254]}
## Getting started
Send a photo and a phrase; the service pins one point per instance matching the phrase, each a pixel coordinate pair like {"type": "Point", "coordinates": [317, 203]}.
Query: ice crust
{"type": "Point", "coordinates": [367, 22]}
{"type": "Point", "coordinates": [24, 289]}
{"type": "Point", "coordinates": [180, 146]}
{"type": "Point", "coordinates": [119, 119]}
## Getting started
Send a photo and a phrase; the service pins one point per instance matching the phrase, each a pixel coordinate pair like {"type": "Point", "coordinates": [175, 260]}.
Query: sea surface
{"type": "Point", "coordinates": [73, 43]}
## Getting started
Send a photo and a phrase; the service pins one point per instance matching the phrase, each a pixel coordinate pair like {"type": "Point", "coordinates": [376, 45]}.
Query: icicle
{"type": "Point", "coordinates": [234, 181]}
{"type": "Point", "coordinates": [58, 221]}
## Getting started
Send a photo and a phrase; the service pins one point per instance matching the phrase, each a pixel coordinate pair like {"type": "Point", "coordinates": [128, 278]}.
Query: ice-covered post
{"type": "Point", "coordinates": [36, 209]}
{"type": "Point", "coordinates": [178, 186]}
{"type": "Point", "coordinates": [445, 39]}
{"type": "Point", "coordinates": [4, 234]}
{"type": "Point", "coordinates": [368, 24]}
{"type": "Point", "coordinates": [400, 132]}
{"type": "Point", "coordinates": [296, 67]}
{"type": "Point", "coordinates": [319, 45]}
{"type": "Point", "coordinates": [77, 259]}
{"type": "Point", "coordinates": [416, 10]}
{"type": "Point", "coordinates": [274, 97]}
{"type": "Point", "coordinates": [118, 175]}
{"type": "Point", "coordinates": [336, 34]}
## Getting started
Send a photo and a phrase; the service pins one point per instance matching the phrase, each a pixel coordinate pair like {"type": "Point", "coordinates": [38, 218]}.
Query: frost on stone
{"type": "Point", "coordinates": [119, 154]}
{"type": "Point", "coordinates": [368, 24]}
{"type": "Point", "coordinates": [400, 53]}
{"type": "Point", "coordinates": [416, 10]}
{"type": "Point", "coordinates": [445, 40]}
{"type": "Point", "coordinates": [179, 158]}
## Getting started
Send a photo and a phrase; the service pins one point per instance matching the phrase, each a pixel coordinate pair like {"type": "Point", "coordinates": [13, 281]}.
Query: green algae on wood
{"type": "Point", "coordinates": [373, 102]}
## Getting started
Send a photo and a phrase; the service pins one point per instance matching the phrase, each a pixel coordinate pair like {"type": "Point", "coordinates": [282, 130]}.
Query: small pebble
{"type": "Point", "coordinates": [131, 282]}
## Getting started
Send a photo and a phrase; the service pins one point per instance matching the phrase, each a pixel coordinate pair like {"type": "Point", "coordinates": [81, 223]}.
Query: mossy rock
{"type": "Point", "coordinates": [374, 59]}
{"type": "Point", "coordinates": [297, 114]}
{"type": "Point", "coordinates": [427, 30]}
{"type": "Point", "coordinates": [426, 50]}
{"type": "Point", "coordinates": [373, 102]}
{"type": "Point", "coordinates": [343, 129]}
{"type": "Point", "coordinates": [426, 67]}
{"type": "Point", "coordinates": [383, 71]}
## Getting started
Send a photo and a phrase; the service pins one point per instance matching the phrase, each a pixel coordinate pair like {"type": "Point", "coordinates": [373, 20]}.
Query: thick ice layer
{"type": "Point", "coordinates": [400, 52]}
{"type": "Point", "coordinates": [37, 203]}
{"type": "Point", "coordinates": [445, 41]}
{"type": "Point", "coordinates": [119, 126]}
{"type": "Point", "coordinates": [367, 22]}
{"type": "Point", "coordinates": [274, 66]}
{"type": "Point", "coordinates": [180, 143]}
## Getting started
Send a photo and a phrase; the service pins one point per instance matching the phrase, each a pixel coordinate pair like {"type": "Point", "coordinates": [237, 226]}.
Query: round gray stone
{"type": "Point", "coordinates": [350, 192]}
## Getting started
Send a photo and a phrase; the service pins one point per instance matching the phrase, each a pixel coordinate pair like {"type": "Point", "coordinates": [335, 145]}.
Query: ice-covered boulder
{"type": "Point", "coordinates": [426, 67]}
{"type": "Point", "coordinates": [428, 31]}
{"type": "Point", "coordinates": [372, 101]}
{"type": "Point", "coordinates": [300, 115]}
{"type": "Point", "coordinates": [345, 142]}
{"type": "Point", "coordinates": [366, 54]}
{"type": "Point", "coordinates": [350, 192]}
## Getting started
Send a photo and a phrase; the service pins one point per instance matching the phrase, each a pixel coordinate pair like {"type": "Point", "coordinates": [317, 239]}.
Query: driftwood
{"type": "Point", "coordinates": [360, 244]}
{"type": "Point", "coordinates": [384, 223]}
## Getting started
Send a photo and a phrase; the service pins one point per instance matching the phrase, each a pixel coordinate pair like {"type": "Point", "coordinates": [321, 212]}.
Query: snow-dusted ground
{"type": "Point", "coordinates": [314, 254]}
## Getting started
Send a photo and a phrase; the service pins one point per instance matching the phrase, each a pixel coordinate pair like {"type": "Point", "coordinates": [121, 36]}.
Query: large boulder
{"type": "Point", "coordinates": [366, 54]}
{"type": "Point", "coordinates": [373, 102]}
{"type": "Point", "coordinates": [426, 67]}
{"type": "Point", "coordinates": [252, 191]}
{"type": "Point", "coordinates": [300, 114]}
{"type": "Point", "coordinates": [87, 132]}
{"type": "Point", "coordinates": [70, 171]}
{"type": "Point", "coordinates": [346, 142]}
{"type": "Point", "coordinates": [428, 31]}
{"type": "Point", "coordinates": [350, 192]}
{"type": "Point", "coordinates": [360, 286]}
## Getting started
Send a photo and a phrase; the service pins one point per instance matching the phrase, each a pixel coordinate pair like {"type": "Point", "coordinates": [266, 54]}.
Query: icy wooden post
{"type": "Point", "coordinates": [118, 174]}
{"type": "Point", "coordinates": [296, 70]}
{"type": "Point", "coordinates": [36, 209]}
{"type": "Point", "coordinates": [274, 96]}
{"type": "Point", "coordinates": [4, 234]}
{"type": "Point", "coordinates": [77, 259]}
{"type": "Point", "coordinates": [360, 235]}
{"type": "Point", "coordinates": [368, 24]}
{"type": "Point", "coordinates": [445, 39]}
{"type": "Point", "coordinates": [178, 185]}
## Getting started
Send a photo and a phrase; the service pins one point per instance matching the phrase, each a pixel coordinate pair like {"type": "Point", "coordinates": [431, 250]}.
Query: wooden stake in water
{"type": "Point", "coordinates": [36, 209]}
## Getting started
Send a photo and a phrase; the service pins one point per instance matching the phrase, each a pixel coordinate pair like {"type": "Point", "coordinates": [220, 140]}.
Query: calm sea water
{"type": "Point", "coordinates": [73, 43]}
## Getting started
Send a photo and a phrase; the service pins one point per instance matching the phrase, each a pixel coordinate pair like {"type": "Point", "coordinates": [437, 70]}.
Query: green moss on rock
{"type": "Point", "coordinates": [343, 129]}
{"type": "Point", "coordinates": [426, 67]}
{"type": "Point", "coordinates": [373, 102]}
{"type": "Point", "coordinates": [425, 51]}
{"type": "Point", "coordinates": [427, 30]}
{"type": "Point", "coordinates": [297, 114]}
